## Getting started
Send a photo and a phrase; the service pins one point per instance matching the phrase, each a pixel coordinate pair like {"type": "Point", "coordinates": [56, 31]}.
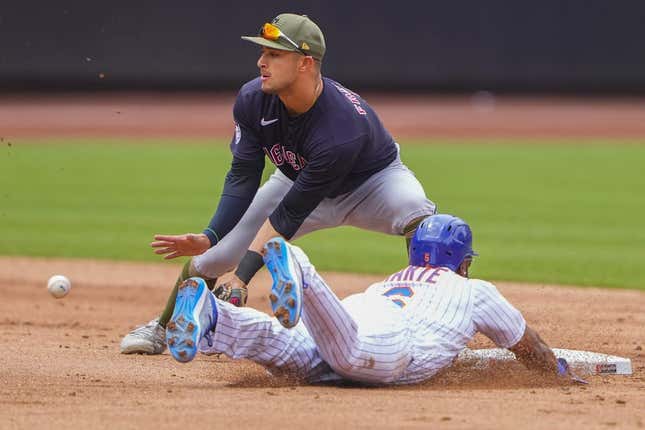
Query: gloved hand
{"type": "Point", "coordinates": [565, 370]}
{"type": "Point", "coordinates": [233, 291]}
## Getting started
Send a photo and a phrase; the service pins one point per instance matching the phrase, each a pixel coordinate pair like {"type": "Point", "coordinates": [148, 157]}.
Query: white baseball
{"type": "Point", "coordinates": [58, 286]}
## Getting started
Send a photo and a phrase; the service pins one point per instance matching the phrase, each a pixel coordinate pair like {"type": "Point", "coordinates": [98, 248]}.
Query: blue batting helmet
{"type": "Point", "coordinates": [441, 241]}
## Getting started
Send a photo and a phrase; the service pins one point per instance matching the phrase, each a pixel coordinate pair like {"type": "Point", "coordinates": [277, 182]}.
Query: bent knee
{"type": "Point", "coordinates": [413, 213]}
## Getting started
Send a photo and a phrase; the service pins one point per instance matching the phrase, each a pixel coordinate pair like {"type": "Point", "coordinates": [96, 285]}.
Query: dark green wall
{"type": "Point", "coordinates": [552, 45]}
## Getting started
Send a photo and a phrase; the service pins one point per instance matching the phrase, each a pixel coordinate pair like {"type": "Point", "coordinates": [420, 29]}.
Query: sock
{"type": "Point", "coordinates": [170, 304]}
{"type": "Point", "coordinates": [409, 231]}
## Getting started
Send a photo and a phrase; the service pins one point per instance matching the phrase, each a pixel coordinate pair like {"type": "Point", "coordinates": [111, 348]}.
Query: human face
{"type": "Point", "coordinates": [278, 69]}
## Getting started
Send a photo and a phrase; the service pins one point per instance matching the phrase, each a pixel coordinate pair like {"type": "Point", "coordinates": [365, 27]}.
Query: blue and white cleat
{"type": "Point", "coordinates": [286, 292]}
{"type": "Point", "coordinates": [194, 317]}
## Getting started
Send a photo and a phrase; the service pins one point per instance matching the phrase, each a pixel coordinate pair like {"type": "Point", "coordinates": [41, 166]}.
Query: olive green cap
{"type": "Point", "coordinates": [298, 28]}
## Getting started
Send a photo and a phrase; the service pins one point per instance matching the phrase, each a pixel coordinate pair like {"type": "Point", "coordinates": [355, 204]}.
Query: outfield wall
{"type": "Point", "coordinates": [438, 45]}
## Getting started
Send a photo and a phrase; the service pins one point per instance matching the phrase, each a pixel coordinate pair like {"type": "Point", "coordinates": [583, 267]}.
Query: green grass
{"type": "Point", "coordinates": [565, 212]}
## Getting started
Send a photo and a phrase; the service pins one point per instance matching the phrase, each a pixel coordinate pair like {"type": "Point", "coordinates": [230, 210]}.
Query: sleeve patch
{"type": "Point", "coordinates": [238, 134]}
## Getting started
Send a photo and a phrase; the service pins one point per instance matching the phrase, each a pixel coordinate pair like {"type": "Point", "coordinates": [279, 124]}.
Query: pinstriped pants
{"type": "Point", "coordinates": [362, 338]}
{"type": "Point", "coordinates": [366, 337]}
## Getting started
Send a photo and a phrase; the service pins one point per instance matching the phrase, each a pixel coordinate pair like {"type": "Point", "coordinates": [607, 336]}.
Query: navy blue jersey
{"type": "Point", "coordinates": [328, 151]}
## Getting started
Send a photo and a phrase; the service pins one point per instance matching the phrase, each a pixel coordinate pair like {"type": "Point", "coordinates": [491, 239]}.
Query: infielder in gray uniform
{"type": "Point", "coordinates": [336, 165]}
{"type": "Point", "coordinates": [400, 331]}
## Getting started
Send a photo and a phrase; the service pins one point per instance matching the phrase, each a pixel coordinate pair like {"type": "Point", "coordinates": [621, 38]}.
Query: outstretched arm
{"type": "Point", "coordinates": [534, 353]}
{"type": "Point", "coordinates": [240, 186]}
{"type": "Point", "coordinates": [180, 245]}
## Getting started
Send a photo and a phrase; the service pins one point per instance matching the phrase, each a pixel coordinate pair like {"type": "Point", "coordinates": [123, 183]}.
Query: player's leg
{"type": "Point", "coordinates": [391, 201]}
{"type": "Point", "coordinates": [203, 322]}
{"type": "Point", "coordinates": [409, 230]}
{"type": "Point", "coordinates": [228, 252]}
{"type": "Point", "coordinates": [254, 335]}
{"type": "Point", "coordinates": [219, 259]}
{"type": "Point", "coordinates": [150, 338]}
{"type": "Point", "coordinates": [363, 338]}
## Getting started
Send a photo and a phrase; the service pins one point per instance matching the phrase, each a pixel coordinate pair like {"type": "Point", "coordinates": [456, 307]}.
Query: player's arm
{"type": "Point", "coordinates": [320, 178]}
{"type": "Point", "coordinates": [501, 322]}
{"type": "Point", "coordinates": [240, 186]}
{"type": "Point", "coordinates": [241, 183]}
{"type": "Point", "coordinates": [534, 353]}
{"type": "Point", "coordinates": [243, 179]}
{"type": "Point", "coordinates": [322, 175]}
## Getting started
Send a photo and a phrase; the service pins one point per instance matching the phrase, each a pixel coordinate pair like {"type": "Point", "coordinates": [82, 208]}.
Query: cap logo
{"type": "Point", "coordinates": [305, 46]}
{"type": "Point", "coordinates": [426, 257]}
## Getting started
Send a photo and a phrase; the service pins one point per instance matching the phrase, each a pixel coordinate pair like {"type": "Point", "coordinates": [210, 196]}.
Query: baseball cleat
{"type": "Point", "coordinates": [286, 292]}
{"type": "Point", "coordinates": [147, 339]}
{"type": "Point", "coordinates": [194, 317]}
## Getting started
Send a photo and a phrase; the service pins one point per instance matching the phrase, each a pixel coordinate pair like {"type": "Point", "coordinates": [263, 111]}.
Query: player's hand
{"type": "Point", "coordinates": [565, 370]}
{"type": "Point", "coordinates": [180, 245]}
{"type": "Point", "coordinates": [233, 291]}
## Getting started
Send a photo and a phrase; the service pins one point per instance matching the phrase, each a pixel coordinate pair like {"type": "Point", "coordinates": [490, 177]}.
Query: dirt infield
{"type": "Point", "coordinates": [60, 366]}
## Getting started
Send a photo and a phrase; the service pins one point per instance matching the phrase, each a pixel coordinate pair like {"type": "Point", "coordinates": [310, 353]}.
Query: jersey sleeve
{"type": "Point", "coordinates": [320, 177]}
{"type": "Point", "coordinates": [495, 317]}
{"type": "Point", "coordinates": [245, 144]}
{"type": "Point", "coordinates": [240, 186]}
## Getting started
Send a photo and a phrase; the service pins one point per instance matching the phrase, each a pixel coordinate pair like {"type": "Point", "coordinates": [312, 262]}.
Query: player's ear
{"type": "Point", "coordinates": [464, 266]}
{"type": "Point", "coordinates": [306, 63]}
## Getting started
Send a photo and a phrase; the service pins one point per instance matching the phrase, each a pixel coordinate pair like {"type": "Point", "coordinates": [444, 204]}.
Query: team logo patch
{"type": "Point", "coordinates": [238, 133]}
{"type": "Point", "coordinates": [305, 46]}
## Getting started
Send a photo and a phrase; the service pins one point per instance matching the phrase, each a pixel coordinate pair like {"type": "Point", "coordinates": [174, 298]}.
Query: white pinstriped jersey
{"type": "Point", "coordinates": [399, 331]}
{"type": "Point", "coordinates": [444, 312]}
{"type": "Point", "coordinates": [453, 305]}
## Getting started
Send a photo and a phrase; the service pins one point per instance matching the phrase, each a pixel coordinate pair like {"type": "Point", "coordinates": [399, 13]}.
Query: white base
{"type": "Point", "coordinates": [583, 362]}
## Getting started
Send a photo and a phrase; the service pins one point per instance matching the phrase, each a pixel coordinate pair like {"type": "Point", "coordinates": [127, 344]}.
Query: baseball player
{"type": "Point", "coordinates": [336, 165]}
{"type": "Point", "coordinates": [399, 331]}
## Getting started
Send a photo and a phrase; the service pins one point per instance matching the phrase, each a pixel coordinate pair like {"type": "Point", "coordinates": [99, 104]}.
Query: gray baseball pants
{"type": "Point", "coordinates": [387, 202]}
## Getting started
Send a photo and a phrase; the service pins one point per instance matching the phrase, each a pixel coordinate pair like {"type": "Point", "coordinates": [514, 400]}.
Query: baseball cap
{"type": "Point", "coordinates": [299, 29]}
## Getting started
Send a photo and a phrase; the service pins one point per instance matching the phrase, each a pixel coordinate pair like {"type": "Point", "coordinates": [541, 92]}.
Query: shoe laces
{"type": "Point", "coordinates": [146, 329]}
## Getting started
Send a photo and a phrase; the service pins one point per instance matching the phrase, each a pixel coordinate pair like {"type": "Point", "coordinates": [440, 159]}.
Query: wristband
{"type": "Point", "coordinates": [211, 235]}
{"type": "Point", "coordinates": [249, 266]}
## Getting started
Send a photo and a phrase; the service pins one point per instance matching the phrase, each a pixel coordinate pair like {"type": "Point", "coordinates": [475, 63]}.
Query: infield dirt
{"type": "Point", "coordinates": [60, 366]}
